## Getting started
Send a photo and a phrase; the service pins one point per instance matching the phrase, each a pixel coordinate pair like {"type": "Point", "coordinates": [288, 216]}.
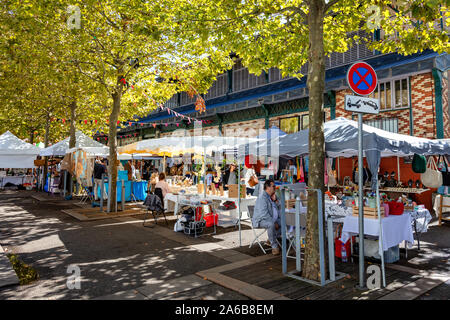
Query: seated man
{"type": "Point", "coordinates": [263, 216]}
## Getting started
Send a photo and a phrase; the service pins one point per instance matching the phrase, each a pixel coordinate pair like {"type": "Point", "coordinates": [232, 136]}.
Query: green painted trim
{"type": "Point", "coordinates": [411, 118]}
{"type": "Point", "coordinates": [266, 116]}
{"type": "Point", "coordinates": [437, 75]}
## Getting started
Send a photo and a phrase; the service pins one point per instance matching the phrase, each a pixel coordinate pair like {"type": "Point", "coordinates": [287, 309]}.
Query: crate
{"type": "Point", "coordinates": [289, 204]}
{"type": "Point", "coordinates": [233, 191]}
{"type": "Point", "coordinates": [369, 212]}
{"type": "Point", "coordinates": [195, 227]}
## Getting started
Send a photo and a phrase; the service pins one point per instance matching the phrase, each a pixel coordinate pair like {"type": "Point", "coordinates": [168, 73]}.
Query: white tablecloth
{"type": "Point", "coordinates": [437, 204]}
{"type": "Point", "coordinates": [173, 200]}
{"type": "Point", "coordinates": [16, 180]}
{"type": "Point", "coordinates": [395, 229]}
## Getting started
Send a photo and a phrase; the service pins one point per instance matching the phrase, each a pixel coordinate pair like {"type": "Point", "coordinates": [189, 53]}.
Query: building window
{"type": "Point", "coordinates": [289, 125]}
{"type": "Point", "coordinates": [393, 94]}
{"type": "Point", "coordinates": [305, 121]}
{"type": "Point", "coordinates": [387, 124]}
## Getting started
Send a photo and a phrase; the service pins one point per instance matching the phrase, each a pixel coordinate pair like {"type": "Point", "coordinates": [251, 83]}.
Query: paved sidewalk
{"type": "Point", "coordinates": [113, 255]}
{"type": "Point", "coordinates": [120, 259]}
{"type": "Point", "coordinates": [7, 274]}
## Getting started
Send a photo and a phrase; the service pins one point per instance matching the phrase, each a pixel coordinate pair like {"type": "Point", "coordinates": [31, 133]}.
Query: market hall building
{"type": "Point", "coordinates": [413, 92]}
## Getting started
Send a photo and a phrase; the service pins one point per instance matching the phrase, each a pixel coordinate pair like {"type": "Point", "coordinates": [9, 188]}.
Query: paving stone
{"type": "Point", "coordinates": [123, 295]}
{"type": "Point", "coordinates": [413, 290]}
{"type": "Point", "coordinates": [251, 291]}
{"type": "Point", "coordinates": [171, 287]}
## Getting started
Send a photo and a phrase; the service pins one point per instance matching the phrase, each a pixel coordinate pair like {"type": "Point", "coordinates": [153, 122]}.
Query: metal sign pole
{"type": "Point", "coordinates": [361, 202]}
{"type": "Point", "coordinates": [283, 232]}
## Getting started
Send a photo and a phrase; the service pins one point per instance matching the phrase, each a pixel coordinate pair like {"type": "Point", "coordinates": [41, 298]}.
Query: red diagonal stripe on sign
{"type": "Point", "coordinates": [362, 78]}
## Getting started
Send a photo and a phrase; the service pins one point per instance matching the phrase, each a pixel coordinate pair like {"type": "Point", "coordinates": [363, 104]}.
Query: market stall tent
{"type": "Point", "coordinates": [174, 146]}
{"type": "Point", "coordinates": [15, 153]}
{"type": "Point", "coordinates": [82, 142]}
{"type": "Point", "coordinates": [341, 140]}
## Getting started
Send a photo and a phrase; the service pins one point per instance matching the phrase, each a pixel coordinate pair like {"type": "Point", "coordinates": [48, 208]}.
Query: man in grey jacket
{"type": "Point", "coordinates": [264, 213]}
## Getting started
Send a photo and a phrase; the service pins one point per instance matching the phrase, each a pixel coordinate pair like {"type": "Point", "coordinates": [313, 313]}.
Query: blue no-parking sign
{"type": "Point", "coordinates": [361, 78]}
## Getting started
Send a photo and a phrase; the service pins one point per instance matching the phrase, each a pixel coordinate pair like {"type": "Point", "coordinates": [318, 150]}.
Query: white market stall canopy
{"type": "Point", "coordinates": [341, 140]}
{"type": "Point", "coordinates": [82, 142]}
{"type": "Point", "coordinates": [15, 153]}
{"type": "Point", "coordinates": [174, 146]}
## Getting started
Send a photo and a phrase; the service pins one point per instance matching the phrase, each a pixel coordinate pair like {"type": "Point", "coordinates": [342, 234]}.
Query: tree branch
{"type": "Point", "coordinates": [330, 4]}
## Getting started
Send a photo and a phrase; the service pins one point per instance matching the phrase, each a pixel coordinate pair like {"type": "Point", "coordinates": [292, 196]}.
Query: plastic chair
{"type": "Point", "coordinates": [155, 206]}
{"type": "Point", "coordinates": [256, 234]}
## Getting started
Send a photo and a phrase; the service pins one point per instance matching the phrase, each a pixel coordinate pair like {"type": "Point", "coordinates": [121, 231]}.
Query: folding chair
{"type": "Point", "coordinates": [290, 236]}
{"type": "Point", "coordinates": [258, 234]}
{"type": "Point", "coordinates": [86, 195]}
{"type": "Point", "coordinates": [154, 205]}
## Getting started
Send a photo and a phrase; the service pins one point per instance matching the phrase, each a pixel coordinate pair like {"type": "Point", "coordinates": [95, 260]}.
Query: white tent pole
{"type": "Point", "coordinates": [338, 168]}
{"type": "Point", "coordinates": [204, 172]}
{"type": "Point", "coordinates": [380, 240]}
{"type": "Point", "coordinates": [398, 169]}
{"type": "Point", "coordinates": [164, 164]}
{"type": "Point", "coordinates": [239, 201]}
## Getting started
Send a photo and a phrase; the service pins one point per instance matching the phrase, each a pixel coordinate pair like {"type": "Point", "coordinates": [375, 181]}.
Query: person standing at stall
{"type": "Point", "coordinates": [163, 184]}
{"type": "Point", "coordinates": [293, 169]}
{"type": "Point", "coordinates": [230, 176]}
{"type": "Point", "coordinates": [99, 170]}
{"type": "Point", "coordinates": [129, 169]}
{"type": "Point", "coordinates": [250, 179]}
{"type": "Point", "coordinates": [153, 180]}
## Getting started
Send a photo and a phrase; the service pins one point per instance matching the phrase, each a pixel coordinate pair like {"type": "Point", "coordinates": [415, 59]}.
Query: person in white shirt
{"type": "Point", "coordinates": [248, 174]}
{"type": "Point", "coordinates": [293, 169]}
{"type": "Point", "coordinates": [163, 184]}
